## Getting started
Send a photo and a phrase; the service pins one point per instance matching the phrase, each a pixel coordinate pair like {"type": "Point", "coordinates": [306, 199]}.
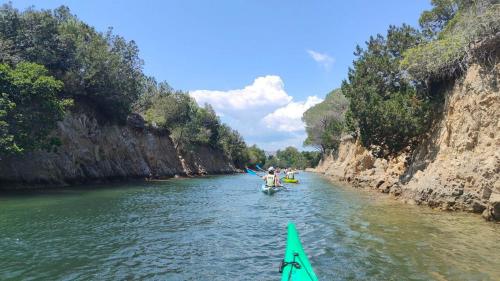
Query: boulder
{"type": "Point", "coordinates": [495, 205]}
{"type": "Point", "coordinates": [477, 206]}
{"type": "Point", "coordinates": [136, 121]}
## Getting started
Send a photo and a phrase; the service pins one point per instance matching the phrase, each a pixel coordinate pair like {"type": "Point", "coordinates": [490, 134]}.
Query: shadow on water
{"type": "Point", "coordinates": [225, 228]}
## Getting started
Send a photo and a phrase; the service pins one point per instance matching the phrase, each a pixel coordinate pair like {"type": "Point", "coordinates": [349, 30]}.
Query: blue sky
{"type": "Point", "coordinates": [259, 63]}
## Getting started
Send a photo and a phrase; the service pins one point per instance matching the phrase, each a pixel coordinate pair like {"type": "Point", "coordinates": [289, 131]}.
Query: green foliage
{"type": "Point", "coordinates": [71, 61]}
{"type": "Point", "coordinates": [179, 113]}
{"type": "Point", "coordinates": [170, 109]}
{"type": "Point", "coordinates": [256, 156]}
{"type": "Point", "coordinates": [291, 157]}
{"type": "Point", "coordinates": [100, 70]}
{"type": "Point", "coordinates": [433, 21]}
{"type": "Point", "coordinates": [29, 107]}
{"type": "Point", "coordinates": [188, 123]}
{"type": "Point", "coordinates": [387, 109]}
{"type": "Point", "coordinates": [233, 145]}
{"type": "Point", "coordinates": [325, 122]}
{"type": "Point", "coordinates": [446, 56]}
{"type": "Point", "coordinates": [312, 158]}
{"type": "Point", "coordinates": [390, 105]}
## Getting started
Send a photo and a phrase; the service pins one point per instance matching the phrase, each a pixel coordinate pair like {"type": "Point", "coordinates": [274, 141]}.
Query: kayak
{"type": "Point", "coordinates": [291, 180]}
{"type": "Point", "coordinates": [295, 266]}
{"type": "Point", "coordinates": [269, 190]}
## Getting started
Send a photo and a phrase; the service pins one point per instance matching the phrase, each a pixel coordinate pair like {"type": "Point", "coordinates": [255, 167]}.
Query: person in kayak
{"type": "Point", "coordinates": [277, 173]}
{"type": "Point", "coordinates": [271, 179]}
{"type": "Point", "coordinates": [290, 174]}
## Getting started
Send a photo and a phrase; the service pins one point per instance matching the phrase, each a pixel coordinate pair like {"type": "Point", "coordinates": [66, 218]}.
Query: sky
{"type": "Point", "coordinates": [259, 63]}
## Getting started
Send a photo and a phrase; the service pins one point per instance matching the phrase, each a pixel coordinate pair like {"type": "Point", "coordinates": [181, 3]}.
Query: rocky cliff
{"type": "Point", "coordinates": [94, 152]}
{"type": "Point", "coordinates": [455, 167]}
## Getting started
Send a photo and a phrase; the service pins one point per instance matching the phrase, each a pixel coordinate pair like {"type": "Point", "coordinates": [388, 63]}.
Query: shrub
{"type": "Point", "coordinates": [447, 55]}
{"type": "Point", "coordinates": [30, 105]}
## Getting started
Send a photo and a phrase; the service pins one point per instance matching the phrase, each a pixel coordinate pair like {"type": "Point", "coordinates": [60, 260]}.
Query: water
{"type": "Point", "coordinates": [224, 228]}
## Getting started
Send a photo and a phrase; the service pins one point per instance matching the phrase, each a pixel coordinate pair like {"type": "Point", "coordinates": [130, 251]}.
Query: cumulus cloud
{"type": "Point", "coordinates": [322, 58]}
{"type": "Point", "coordinates": [289, 117]}
{"type": "Point", "coordinates": [264, 94]}
{"type": "Point", "coordinates": [262, 112]}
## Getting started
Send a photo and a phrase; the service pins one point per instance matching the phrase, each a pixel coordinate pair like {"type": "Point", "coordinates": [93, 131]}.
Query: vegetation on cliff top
{"type": "Point", "coordinates": [29, 107]}
{"type": "Point", "coordinates": [450, 28]}
{"type": "Point", "coordinates": [390, 104]}
{"type": "Point", "coordinates": [189, 124]}
{"type": "Point", "coordinates": [49, 60]}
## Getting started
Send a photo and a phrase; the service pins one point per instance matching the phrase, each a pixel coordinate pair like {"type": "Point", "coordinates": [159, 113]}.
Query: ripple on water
{"type": "Point", "coordinates": [224, 228]}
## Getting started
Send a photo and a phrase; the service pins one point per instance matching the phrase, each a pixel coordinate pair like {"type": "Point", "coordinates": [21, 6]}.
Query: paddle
{"type": "Point", "coordinates": [258, 167]}
{"type": "Point", "coordinates": [252, 172]}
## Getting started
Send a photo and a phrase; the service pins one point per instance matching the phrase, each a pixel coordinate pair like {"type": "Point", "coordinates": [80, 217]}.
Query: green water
{"type": "Point", "coordinates": [224, 228]}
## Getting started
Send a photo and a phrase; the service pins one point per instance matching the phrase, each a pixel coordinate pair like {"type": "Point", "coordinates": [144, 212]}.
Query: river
{"type": "Point", "coordinates": [224, 228]}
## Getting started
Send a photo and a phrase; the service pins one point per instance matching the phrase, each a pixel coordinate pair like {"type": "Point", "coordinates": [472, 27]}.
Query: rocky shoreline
{"type": "Point", "coordinates": [92, 152]}
{"type": "Point", "coordinates": [455, 167]}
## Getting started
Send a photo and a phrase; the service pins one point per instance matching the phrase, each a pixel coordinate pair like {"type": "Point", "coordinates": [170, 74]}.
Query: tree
{"type": "Point", "coordinates": [171, 110]}
{"type": "Point", "coordinates": [233, 145]}
{"type": "Point", "coordinates": [312, 158]}
{"type": "Point", "coordinates": [207, 125]}
{"type": "Point", "coordinates": [30, 105]}
{"type": "Point", "coordinates": [256, 156]}
{"type": "Point", "coordinates": [389, 110]}
{"type": "Point", "coordinates": [433, 21]}
{"type": "Point", "coordinates": [325, 122]}
{"type": "Point", "coordinates": [290, 157]}
{"type": "Point", "coordinates": [101, 70]}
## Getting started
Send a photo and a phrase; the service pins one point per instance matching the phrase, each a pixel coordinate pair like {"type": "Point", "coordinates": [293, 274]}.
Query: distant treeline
{"type": "Point", "coordinates": [389, 99]}
{"type": "Point", "coordinates": [289, 157]}
{"type": "Point", "coordinates": [52, 63]}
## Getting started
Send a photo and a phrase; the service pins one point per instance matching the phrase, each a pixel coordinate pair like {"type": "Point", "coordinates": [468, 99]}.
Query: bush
{"type": "Point", "coordinates": [233, 145]}
{"type": "Point", "coordinates": [101, 70]}
{"type": "Point", "coordinates": [189, 124]}
{"type": "Point", "coordinates": [30, 105]}
{"type": "Point", "coordinates": [256, 156]}
{"type": "Point", "coordinates": [386, 109]}
{"type": "Point", "coordinates": [447, 55]}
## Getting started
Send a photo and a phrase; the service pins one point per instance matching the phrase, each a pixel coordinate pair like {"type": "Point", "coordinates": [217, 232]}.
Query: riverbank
{"type": "Point", "coordinates": [456, 166]}
{"type": "Point", "coordinates": [91, 152]}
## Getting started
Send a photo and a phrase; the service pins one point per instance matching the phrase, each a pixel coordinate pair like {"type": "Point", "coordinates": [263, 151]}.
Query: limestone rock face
{"type": "Point", "coordinates": [455, 167]}
{"type": "Point", "coordinates": [94, 152]}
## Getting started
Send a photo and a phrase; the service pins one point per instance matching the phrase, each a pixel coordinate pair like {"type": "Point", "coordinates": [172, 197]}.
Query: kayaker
{"type": "Point", "coordinates": [278, 176]}
{"type": "Point", "coordinates": [271, 179]}
{"type": "Point", "coordinates": [290, 174]}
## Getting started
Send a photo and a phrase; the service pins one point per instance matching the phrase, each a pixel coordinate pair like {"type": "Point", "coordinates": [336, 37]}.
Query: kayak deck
{"type": "Point", "coordinates": [295, 266]}
{"type": "Point", "coordinates": [291, 180]}
{"type": "Point", "coordinates": [269, 190]}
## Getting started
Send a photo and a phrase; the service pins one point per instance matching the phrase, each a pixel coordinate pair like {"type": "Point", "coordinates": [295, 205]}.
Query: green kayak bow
{"type": "Point", "coordinates": [295, 266]}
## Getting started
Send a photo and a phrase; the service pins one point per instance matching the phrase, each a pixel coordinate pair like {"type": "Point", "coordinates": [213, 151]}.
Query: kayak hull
{"type": "Point", "coordinates": [269, 190]}
{"type": "Point", "coordinates": [291, 180]}
{"type": "Point", "coordinates": [295, 265]}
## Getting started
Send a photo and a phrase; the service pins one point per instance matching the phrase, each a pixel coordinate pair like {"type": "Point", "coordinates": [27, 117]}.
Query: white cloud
{"type": "Point", "coordinates": [289, 117]}
{"type": "Point", "coordinates": [322, 58]}
{"type": "Point", "coordinates": [262, 112]}
{"type": "Point", "coordinates": [263, 95]}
